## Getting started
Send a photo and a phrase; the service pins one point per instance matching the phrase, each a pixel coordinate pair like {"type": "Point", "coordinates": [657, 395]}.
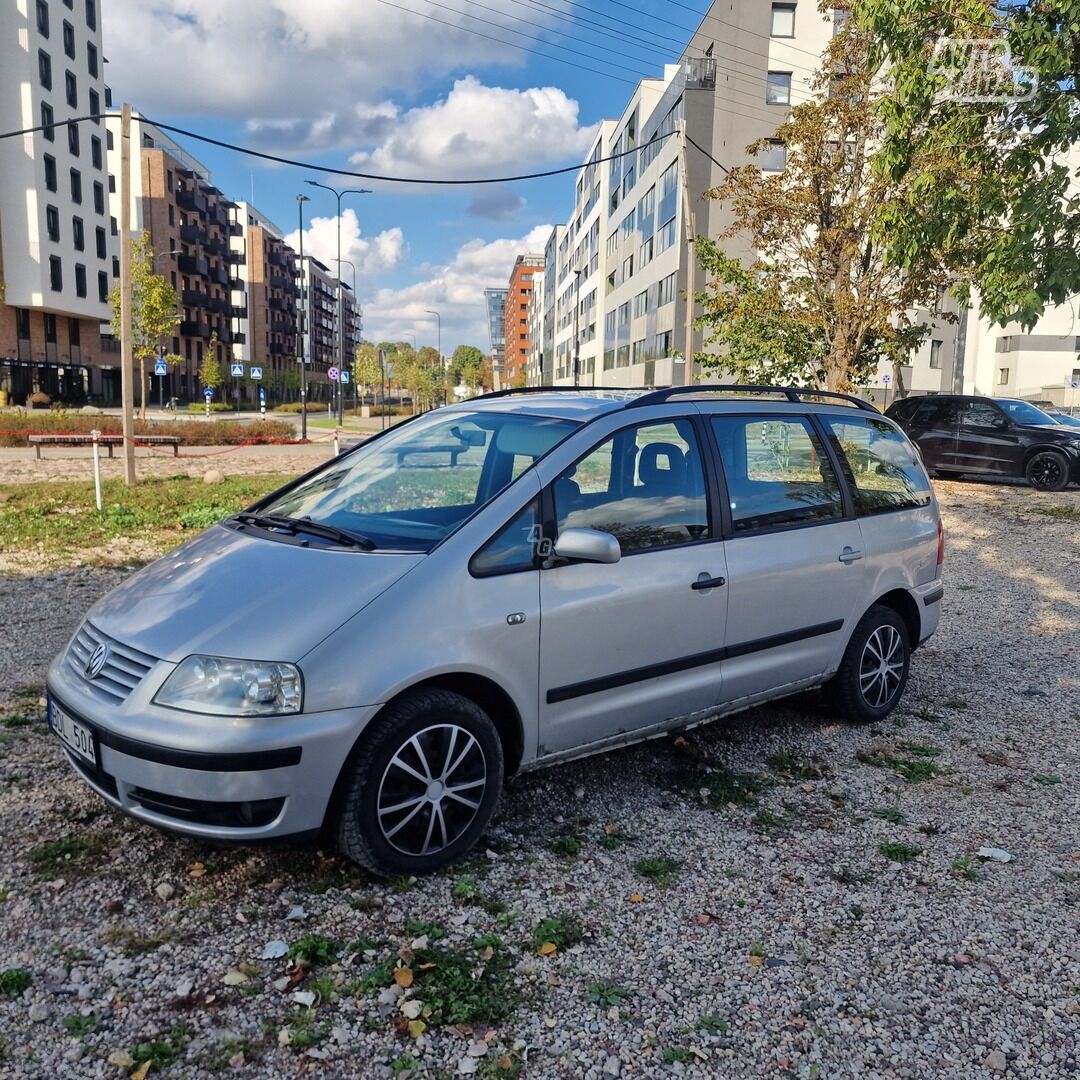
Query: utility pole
{"type": "Point", "coordinates": [691, 257]}
{"type": "Point", "coordinates": [127, 372]}
{"type": "Point", "coordinates": [960, 352]}
{"type": "Point", "coordinates": [300, 200]}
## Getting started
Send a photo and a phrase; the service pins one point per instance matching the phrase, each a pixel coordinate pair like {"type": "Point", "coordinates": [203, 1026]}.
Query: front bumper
{"type": "Point", "coordinates": [223, 779]}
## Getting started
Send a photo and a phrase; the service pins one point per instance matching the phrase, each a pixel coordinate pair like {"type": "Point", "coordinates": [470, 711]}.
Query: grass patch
{"type": "Point", "coordinates": [415, 928]}
{"type": "Point", "coordinates": [1061, 513]}
{"type": "Point", "coordinates": [567, 844]}
{"type": "Point", "coordinates": [890, 814]}
{"type": "Point", "coordinates": [896, 851]}
{"type": "Point", "coordinates": [771, 822]}
{"type": "Point", "coordinates": [957, 704]}
{"type": "Point", "coordinates": [679, 1054]}
{"type": "Point", "coordinates": [465, 890]}
{"type": "Point", "coordinates": [715, 786]}
{"type": "Point", "coordinates": [80, 1026]}
{"type": "Point", "coordinates": [71, 854]}
{"type": "Point", "coordinates": [315, 950]}
{"type": "Point", "coordinates": [794, 766]}
{"type": "Point", "coordinates": [659, 868]}
{"type": "Point", "coordinates": [563, 931]}
{"type": "Point", "coordinates": [713, 1025]}
{"type": "Point", "coordinates": [133, 942]}
{"type": "Point", "coordinates": [914, 769]}
{"type": "Point", "coordinates": [614, 838]}
{"type": "Point", "coordinates": [15, 720]}
{"type": "Point", "coordinates": [163, 1051]}
{"type": "Point", "coordinates": [1046, 780]}
{"type": "Point", "coordinates": [14, 981]}
{"type": "Point", "coordinates": [965, 868]}
{"type": "Point", "coordinates": [606, 994]}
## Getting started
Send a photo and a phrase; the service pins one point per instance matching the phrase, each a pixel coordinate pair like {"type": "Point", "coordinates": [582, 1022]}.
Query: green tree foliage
{"type": "Point", "coordinates": [822, 303]}
{"type": "Point", "coordinates": [210, 374]}
{"type": "Point", "coordinates": [367, 369]}
{"type": "Point", "coordinates": [154, 309]}
{"type": "Point", "coordinates": [989, 183]}
{"type": "Point", "coordinates": [464, 357]}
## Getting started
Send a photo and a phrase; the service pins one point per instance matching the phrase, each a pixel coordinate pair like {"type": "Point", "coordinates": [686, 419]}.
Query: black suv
{"type": "Point", "coordinates": [993, 436]}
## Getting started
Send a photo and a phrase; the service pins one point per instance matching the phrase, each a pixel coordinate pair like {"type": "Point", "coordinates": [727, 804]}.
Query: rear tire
{"type": "Point", "coordinates": [872, 676]}
{"type": "Point", "coordinates": [1048, 471]}
{"type": "Point", "coordinates": [421, 785]}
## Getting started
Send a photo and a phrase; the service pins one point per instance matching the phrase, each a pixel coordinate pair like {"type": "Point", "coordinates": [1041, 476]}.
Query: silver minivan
{"type": "Point", "coordinates": [495, 586]}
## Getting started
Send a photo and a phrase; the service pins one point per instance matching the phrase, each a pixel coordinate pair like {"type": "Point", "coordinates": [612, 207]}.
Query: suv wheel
{"type": "Point", "coordinates": [871, 678]}
{"type": "Point", "coordinates": [1048, 471]}
{"type": "Point", "coordinates": [421, 785]}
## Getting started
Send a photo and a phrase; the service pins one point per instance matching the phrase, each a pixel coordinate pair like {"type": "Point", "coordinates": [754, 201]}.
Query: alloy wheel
{"type": "Point", "coordinates": [431, 789]}
{"type": "Point", "coordinates": [1045, 471]}
{"type": "Point", "coordinates": [882, 666]}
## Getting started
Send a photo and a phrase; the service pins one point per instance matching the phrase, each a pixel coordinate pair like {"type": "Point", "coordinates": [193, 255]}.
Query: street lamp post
{"type": "Point", "coordinates": [300, 200]}
{"type": "Point", "coordinates": [577, 333]}
{"type": "Point", "coordinates": [442, 366]}
{"type": "Point", "coordinates": [352, 266]}
{"type": "Point", "coordinates": [340, 312]}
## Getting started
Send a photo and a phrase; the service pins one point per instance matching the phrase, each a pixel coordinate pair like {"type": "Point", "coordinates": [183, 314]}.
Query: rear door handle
{"type": "Point", "coordinates": [706, 582]}
{"type": "Point", "coordinates": [850, 555]}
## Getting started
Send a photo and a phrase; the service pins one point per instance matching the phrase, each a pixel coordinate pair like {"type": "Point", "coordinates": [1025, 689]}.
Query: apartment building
{"type": "Point", "coordinates": [197, 240]}
{"type": "Point", "coordinates": [319, 298]}
{"type": "Point", "coordinates": [56, 246]}
{"type": "Point", "coordinates": [352, 316]}
{"type": "Point", "coordinates": [534, 367]}
{"type": "Point", "coordinates": [516, 337]}
{"type": "Point", "coordinates": [495, 301]}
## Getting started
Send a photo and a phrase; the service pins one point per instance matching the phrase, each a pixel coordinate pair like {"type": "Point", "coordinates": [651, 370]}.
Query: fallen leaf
{"type": "Point", "coordinates": [417, 1028]}
{"type": "Point", "coordinates": [487, 954]}
{"type": "Point", "coordinates": [412, 1009]}
{"type": "Point", "coordinates": [611, 828]}
{"type": "Point", "coordinates": [997, 759]}
{"type": "Point", "coordinates": [141, 1071]}
{"type": "Point", "coordinates": [234, 978]}
{"type": "Point", "coordinates": [403, 976]}
{"type": "Point", "coordinates": [636, 898]}
{"type": "Point", "coordinates": [505, 1062]}
{"type": "Point", "coordinates": [549, 948]}
{"type": "Point", "coordinates": [196, 869]}
{"type": "Point", "coordinates": [757, 961]}
{"type": "Point", "coordinates": [272, 950]}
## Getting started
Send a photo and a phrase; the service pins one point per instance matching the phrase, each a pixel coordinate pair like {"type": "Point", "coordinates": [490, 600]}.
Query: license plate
{"type": "Point", "coordinates": [75, 736]}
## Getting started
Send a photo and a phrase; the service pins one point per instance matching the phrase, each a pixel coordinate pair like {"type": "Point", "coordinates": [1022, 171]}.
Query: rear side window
{"type": "Point", "coordinates": [884, 468]}
{"type": "Point", "coordinates": [777, 472]}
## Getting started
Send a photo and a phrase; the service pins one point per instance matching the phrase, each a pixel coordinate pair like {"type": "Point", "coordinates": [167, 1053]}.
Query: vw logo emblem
{"type": "Point", "coordinates": [96, 661]}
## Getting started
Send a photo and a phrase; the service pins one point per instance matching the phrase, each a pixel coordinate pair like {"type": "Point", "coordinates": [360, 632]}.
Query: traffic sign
{"type": "Point", "coordinates": [333, 373]}
{"type": "Point", "coordinates": [262, 393]}
{"type": "Point", "coordinates": [237, 369]}
{"type": "Point", "coordinates": [161, 368]}
{"type": "Point", "coordinates": [256, 372]}
{"type": "Point", "coordinates": [345, 377]}
{"type": "Point", "coordinates": [208, 393]}
{"type": "Point", "coordinates": [1075, 385]}
{"type": "Point", "coordinates": [885, 379]}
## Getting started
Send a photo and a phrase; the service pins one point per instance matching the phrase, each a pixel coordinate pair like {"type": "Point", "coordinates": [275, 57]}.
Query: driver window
{"type": "Point", "coordinates": [645, 485]}
{"type": "Point", "coordinates": [981, 414]}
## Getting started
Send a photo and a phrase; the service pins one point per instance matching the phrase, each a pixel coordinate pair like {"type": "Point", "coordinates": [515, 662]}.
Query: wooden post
{"type": "Point", "coordinates": [127, 373]}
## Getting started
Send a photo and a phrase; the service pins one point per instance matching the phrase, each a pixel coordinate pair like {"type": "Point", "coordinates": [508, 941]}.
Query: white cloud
{"type": "Point", "coordinates": [496, 202]}
{"type": "Point", "coordinates": [476, 129]}
{"type": "Point", "coordinates": [455, 290]}
{"type": "Point", "coordinates": [371, 255]}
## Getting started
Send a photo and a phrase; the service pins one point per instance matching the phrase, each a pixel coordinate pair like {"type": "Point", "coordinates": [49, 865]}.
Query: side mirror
{"type": "Point", "coordinates": [1000, 423]}
{"type": "Point", "coordinates": [588, 545]}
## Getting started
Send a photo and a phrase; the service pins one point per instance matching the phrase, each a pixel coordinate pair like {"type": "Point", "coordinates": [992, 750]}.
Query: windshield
{"type": "Point", "coordinates": [1023, 412]}
{"type": "Point", "coordinates": [1066, 420]}
{"type": "Point", "coordinates": [414, 486]}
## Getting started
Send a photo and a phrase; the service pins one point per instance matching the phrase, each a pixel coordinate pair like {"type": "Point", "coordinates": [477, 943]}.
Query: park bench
{"type": "Point", "coordinates": [109, 441]}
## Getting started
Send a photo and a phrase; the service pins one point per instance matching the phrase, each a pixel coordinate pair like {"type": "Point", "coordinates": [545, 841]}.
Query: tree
{"type": "Point", "coordinates": [367, 368]}
{"type": "Point", "coordinates": [290, 377]}
{"type": "Point", "coordinates": [988, 182]}
{"type": "Point", "coordinates": [465, 356]}
{"type": "Point", "coordinates": [472, 373]}
{"type": "Point", "coordinates": [210, 370]}
{"type": "Point", "coordinates": [154, 313]}
{"type": "Point", "coordinates": [821, 303]}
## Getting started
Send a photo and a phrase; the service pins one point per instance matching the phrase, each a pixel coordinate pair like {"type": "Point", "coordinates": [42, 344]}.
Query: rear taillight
{"type": "Point", "coordinates": [940, 542]}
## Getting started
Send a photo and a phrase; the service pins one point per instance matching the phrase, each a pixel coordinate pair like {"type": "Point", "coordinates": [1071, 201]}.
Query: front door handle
{"type": "Point", "coordinates": [850, 555]}
{"type": "Point", "coordinates": [704, 581]}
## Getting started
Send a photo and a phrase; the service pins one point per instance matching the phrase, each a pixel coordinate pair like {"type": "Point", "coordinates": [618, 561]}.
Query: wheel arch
{"type": "Point", "coordinates": [903, 603]}
{"type": "Point", "coordinates": [1042, 448]}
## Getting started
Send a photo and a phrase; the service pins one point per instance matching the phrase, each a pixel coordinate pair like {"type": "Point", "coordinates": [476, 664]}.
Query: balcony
{"type": "Point", "coordinates": [236, 258]}
{"type": "Point", "coordinates": [237, 284]}
{"type": "Point", "coordinates": [193, 298]}
{"type": "Point", "coordinates": [280, 303]}
{"type": "Point", "coordinates": [236, 228]}
{"type": "Point", "coordinates": [238, 311]}
{"type": "Point", "coordinates": [216, 246]}
{"type": "Point", "coordinates": [220, 274]}
{"type": "Point", "coordinates": [281, 326]}
{"type": "Point", "coordinates": [189, 199]}
{"type": "Point", "coordinates": [239, 338]}
{"type": "Point", "coordinates": [192, 264]}
{"type": "Point", "coordinates": [701, 73]}
{"type": "Point", "coordinates": [277, 258]}
{"type": "Point", "coordinates": [194, 329]}
{"type": "Point", "coordinates": [279, 281]}
{"type": "Point", "coordinates": [192, 234]}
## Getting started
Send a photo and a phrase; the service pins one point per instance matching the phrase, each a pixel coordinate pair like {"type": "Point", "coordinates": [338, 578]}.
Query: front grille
{"type": "Point", "coordinates": [124, 669]}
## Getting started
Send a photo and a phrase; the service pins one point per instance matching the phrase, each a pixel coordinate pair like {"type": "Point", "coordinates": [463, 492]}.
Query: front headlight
{"type": "Point", "coordinates": [224, 687]}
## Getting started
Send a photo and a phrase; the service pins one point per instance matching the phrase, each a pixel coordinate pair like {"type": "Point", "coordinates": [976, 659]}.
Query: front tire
{"type": "Point", "coordinates": [421, 785]}
{"type": "Point", "coordinates": [872, 676]}
{"type": "Point", "coordinates": [1048, 471]}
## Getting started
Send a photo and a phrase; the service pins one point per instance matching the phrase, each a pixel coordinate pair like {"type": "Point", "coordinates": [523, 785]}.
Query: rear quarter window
{"type": "Point", "coordinates": [882, 466]}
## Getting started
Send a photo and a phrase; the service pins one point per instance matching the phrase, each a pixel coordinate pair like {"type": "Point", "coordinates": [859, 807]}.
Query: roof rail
{"type": "Point", "coordinates": [791, 393]}
{"type": "Point", "coordinates": [558, 390]}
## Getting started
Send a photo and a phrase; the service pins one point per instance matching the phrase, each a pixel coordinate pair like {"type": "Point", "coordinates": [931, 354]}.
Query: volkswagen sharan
{"type": "Point", "coordinates": [495, 586]}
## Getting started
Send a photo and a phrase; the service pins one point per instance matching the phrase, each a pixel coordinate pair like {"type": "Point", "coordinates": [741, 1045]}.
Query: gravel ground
{"type": "Point", "coordinates": [784, 944]}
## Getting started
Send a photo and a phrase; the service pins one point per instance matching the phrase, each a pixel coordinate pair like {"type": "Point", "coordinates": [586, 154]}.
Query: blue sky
{"type": "Point", "coordinates": [377, 86]}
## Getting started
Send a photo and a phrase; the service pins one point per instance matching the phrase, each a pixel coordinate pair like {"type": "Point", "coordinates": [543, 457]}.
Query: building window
{"type": "Point", "coordinates": [783, 20]}
{"type": "Point", "coordinates": [92, 59]}
{"type": "Point", "coordinates": [778, 88]}
{"type": "Point", "coordinates": [43, 18]}
{"type": "Point", "coordinates": [1003, 376]}
{"type": "Point", "coordinates": [172, 213]}
{"type": "Point", "coordinates": [103, 286]}
{"type": "Point", "coordinates": [69, 40]}
{"type": "Point", "coordinates": [71, 89]}
{"type": "Point", "coordinates": [773, 157]}
{"type": "Point", "coordinates": [77, 234]}
{"type": "Point", "coordinates": [99, 237]}
{"type": "Point", "coordinates": [50, 328]}
{"type": "Point", "coordinates": [935, 355]}
{"type": "Point", "coordinates": [665, 238]}
{"type": "Point", "coordinates": [76, 186]}
{"type": "Point", "coordinates": [95, 152]}
{"type": "Point", "coordinates": [115, 266]}
{"type": "Point", "coordinates": [1075, 376]}
{"type": "Point", "coordinates": [44, 66]}
{"type": "Point", "coordinates": [80, 279]}
{"type": "Point", "coordinates": [95, 106]}
{"type": "Point", "coordinates": [112, 226]}
{"type": "Point", "coordinates": [73, 139]}
{"type": "Point", "coordinates": [641, 304]}
{"type": "Point", "coordinates": [52, 224]}
{"type": "Point", "coordinates": [74, 332]}
{"type": "Point", "coordinates": [47, 122]}
{"type": "Point", "coordinates": [99, 197]}
{"type": "Point", "coordinates": [665, 291]}
{"type": "Point", "coordinates": [1006, 344]}
{"type": "Point", "coordinates": [91, 14]}
{"type": "Point", "coordinates": [50, 172]}
{"type": "Point", "coordinates": [169, 179]}
{"type": "Point", "coordinates": [628, 268]}
{"type": "Point", "coordinates": [56, 274]}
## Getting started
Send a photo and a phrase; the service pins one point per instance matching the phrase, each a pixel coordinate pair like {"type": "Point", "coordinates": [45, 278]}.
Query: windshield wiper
{"type": "Point", "coordinates": [306, 525]}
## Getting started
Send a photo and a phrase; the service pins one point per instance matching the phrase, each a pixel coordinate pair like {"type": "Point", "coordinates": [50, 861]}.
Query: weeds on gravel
{"type": "Point", "coordinates": [715, 786]}
{"type": "Point", "coordinates": [713, 1025]}
{"type": "Point", "coordinates": [659, 868]}
{"type": "Point", "coordinates": [465, 890]}
{"type": "Point", "coordinates": [914, 770]}
{"type": "Point", "coordinates": [163, 1051]}
{"type": "Point", "coordinates": [794, 766]}
{"type": "Point", "coordinates": [71, 854]}
{"type": "Point", "coordinates": [14, 981]}
{"type": "Point", "coordinates": [896, 851]}
{"type": "Point", "coordinates": [606, 994]}
{"type": "Point", "coordinates": [681, 1054]}
{"type": "Point", "coordinates": [467, 984]}
{"type": "Point", "coordinates": [957, 704]}
{"type": "Point", "coordinates": [567, 844]}
{"type": "Point", "coordinates": [964, 867]}
{"type": "Point", "coordinates": [772, 822]}
{"type": "Point", "coordinates": [15, 720]}
{"type": "Point", "coordinates": [80, 1026]}
{"type": "Point", "coordinates": [1062, 513]}
{"type": "Point", "coordinates": [846, 875]}
{"type": "Point", "coordinates": [925, 713]}
{"type": "Point", "coordinates": [890, 814]}
{"type": "Point", "coordinates": [614, 838]}
{"type": "Point", "coordinates": [562, 931]}
{"type": "Point", "coordinates": [1045, 780]}
{"type": "Point", "coordinates": [302, 1031]}
{"type": "Point", "coordinates": [418, 928]}
{"type": "Point", "coordinates": [131, 943]}
{"type": "Point", "coordinates": [315, 950]}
